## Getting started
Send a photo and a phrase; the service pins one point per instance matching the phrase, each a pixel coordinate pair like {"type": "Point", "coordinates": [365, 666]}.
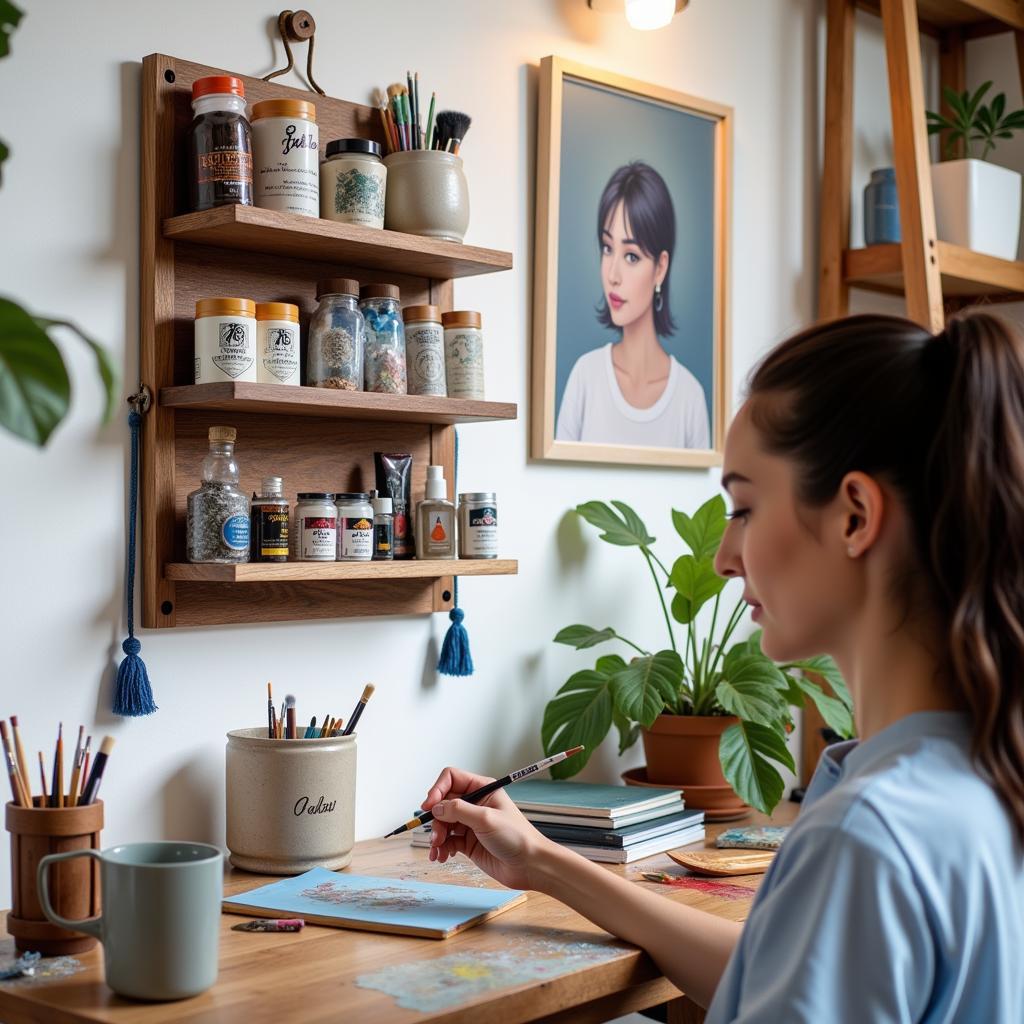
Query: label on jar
{"type": "Point", "coordinates": [424, 347]}
{"type": "Point", "coordinates": [287, 175]}
{"type": "Point", "coordinates": [318, 538]}
{"type": "Point", "coordinates": [382, 540]}
{"type": "Point", "coordinates": [480, 538]}
{"type": "Point", "coordinates": [355, 538]}
{"type": "Point", "coordinates": [464, 363]}
{"type": "Point", "coordinates": [225, 348]}
{"type": "Point", "coordinates": [353, 190]}
{"type": "Point", "coordinates": [235, 532]}
{"type": "Point", "coordinates": [278, 352]}
{"type": "Point", "coordinates": [440, 530]}
{"type": "Point", "coordinates": [270, 542]}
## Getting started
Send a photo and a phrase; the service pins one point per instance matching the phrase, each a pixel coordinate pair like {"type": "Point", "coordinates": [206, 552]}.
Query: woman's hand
{"type": "Point", "coordinates": [493, 834]}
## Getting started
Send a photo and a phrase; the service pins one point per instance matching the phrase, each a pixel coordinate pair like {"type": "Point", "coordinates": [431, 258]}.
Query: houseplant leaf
{"type": "Point", "coordinates": [627, 530]}
{"type": "Point", "coordinates": [752, 688]}
{"type": "Point", "coordinates": [104, 365]}
{"type": "Point", "coordinates": [580, 636]}
{"type": "Point", "coordinates": [703, 532]}
{"type": "Point", "coordinates": [580, 713]}
{"type": "Point", "coordinates": [9, 18]}
{"type": "Point", "coordinates": [746, 751]}
{"type": "Point", "coordinates": [643, 688]}
{"type": "Point", "coordinates": [836, 715]}
{"type": "Point", "coordinates": [696, 583]}
{"type": "Point", "coordinates": [824, 666]}
{"type": "Point", "coordinates": [34, 386]}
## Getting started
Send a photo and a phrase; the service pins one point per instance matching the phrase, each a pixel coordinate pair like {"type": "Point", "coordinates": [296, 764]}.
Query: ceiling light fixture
{"type": "Point", "coordinates": [641, 14]}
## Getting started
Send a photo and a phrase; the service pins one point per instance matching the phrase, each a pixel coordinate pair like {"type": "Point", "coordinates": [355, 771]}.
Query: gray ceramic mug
{"type": "Point", "coordinates": [160, 925]}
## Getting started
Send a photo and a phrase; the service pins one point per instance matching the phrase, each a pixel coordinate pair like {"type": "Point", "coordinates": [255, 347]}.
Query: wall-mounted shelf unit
{"type": "Point", "coordinates": [316, 439]}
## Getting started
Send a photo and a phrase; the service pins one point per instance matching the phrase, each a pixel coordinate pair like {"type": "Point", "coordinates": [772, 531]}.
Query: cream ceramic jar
{"type": "Point", "coordinates": [277, 343]}
{"type": "Point", "coordinates": [225, 340]}
{"type": "Point", "coordinates": [286, 143]}
{"type": "Point", "coordinates": [353, 182]}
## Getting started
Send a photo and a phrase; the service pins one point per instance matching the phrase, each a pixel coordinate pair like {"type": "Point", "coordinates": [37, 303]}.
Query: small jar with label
{"type": "Point", "coordinates": [220, 144]}
{"type": "Point", "coordinates": [269, 523]}
{"type": "Point", "coordinates": [424, 351]}
{"type": "Point", "coordinates": [337, 335]}
{"type": "Point", "coordinates": [355, 527]}
{"type": "Point", "coordinates": [225, 336]}
{"type": "Point", "coordinates": [353, 182]}
{"type": "Point", "coordinates": [384, 359]}
{"type": "Point", "coordinates": [463, 354]}
{"type": "Point", "coordinates": [316, 527]}
{"type": "Point", "coordinates": [478, 525]}
{"type": "Point", "coordinates": [217, 520]}
{"type": "Point", "coordinates": [383, 528]}
{"type": "Point", "coordinates": [285, 141]}
{"type": "Point", "coordinates": [277, 343]}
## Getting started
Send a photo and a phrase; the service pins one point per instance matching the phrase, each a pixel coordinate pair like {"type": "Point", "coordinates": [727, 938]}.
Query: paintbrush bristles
{"type": "Point", "coordinates": [107, 745]}
{"type": "Point", "coordinates": [367, 692]}
{"type": "Point", "coordinates": [452, 126]}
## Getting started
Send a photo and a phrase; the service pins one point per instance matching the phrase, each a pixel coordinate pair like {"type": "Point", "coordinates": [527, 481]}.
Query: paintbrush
{"type": "Point", "coordinates": [57, 787]}
{"type": "Point", "coordinates": [429, 142]}
{"type": "Point", "coordinates": [92, 786]}
{"type": "Point", "coordinates": [77, 797]}
{"type": "Point", "coordinates": [407, 116]}
{"type": "Point", "coordinates": [394, 97]}
{"type": "Point", "coordinates": [358, 709]}
{"type": "Point", "coordinates": [411, 93]}
{"type": "Point", "coordinates": [13, 775]}
{"type": "Point", "coordinates": [310, 729]}
{"type": "Point", "coordinates": [42, 779]}
{"type": "Point", "coordinates": [452, 126]}
{"type": "Point", "coordinates": [76, 768]}
{"type": "Point", "coordinates": [19, 754]}
{"type": "Point", "coordinates": [383, 108]}
{"type": "Point", "coordinates": [289, 711]}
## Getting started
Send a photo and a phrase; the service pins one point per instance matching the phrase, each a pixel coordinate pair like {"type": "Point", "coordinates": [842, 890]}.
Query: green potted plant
{"type": "Point", "coordinates": [723, 691]}
{"type": "Point", "coordinates": [977, 203]}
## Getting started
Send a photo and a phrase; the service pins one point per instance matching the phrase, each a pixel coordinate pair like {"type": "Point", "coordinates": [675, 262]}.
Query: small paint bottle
{"type": "Point", "coordinates": [269, 529]}
{"type": "Point", "coordinates": [478, 525]}
{"type": "Point", "coordinates": [355, 527]}
{"type": "Point", "coordinates": [383, 529]}
{"type": "Point", "coordinates": [435, 519]}
{"type": "Point", "coordinates": [316, 527]}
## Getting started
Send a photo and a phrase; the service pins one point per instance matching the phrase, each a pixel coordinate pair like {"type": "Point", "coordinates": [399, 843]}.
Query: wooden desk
{"type": "Point", "coordinates": [311, 976]}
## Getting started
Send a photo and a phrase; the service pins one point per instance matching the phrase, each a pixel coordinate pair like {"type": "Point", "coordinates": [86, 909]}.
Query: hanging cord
{"type": "Point", "coordinates": [455, 658]}
{"type": "Point", "coordinates": [132, 694]}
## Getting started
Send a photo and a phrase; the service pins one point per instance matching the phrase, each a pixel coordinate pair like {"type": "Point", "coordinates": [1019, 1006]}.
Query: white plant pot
{"type": "Point", "coordinates": [977, 205]}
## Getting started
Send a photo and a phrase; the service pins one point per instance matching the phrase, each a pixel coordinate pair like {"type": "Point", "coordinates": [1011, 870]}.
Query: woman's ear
{"type": "Point", "coordinates": [661, 268]}
{"type": "Point", "coordinates": [862, 507]}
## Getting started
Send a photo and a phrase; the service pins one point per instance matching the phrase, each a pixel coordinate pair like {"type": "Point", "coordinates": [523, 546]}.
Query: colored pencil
{"type": "Point", "coordinates": [19, 755]}
{"type": "Point", "coordinates": [96, 776]}
{"type": "Point", "coordinates": [477, 795]}
{"type": "Point", "coordinates": [42, 779]}
{"type": "Point", "coordinates": [412, 109]}
{"type": "Point", "coordinates": [270, 712]}
{"type": "Point", "coordinates": [76, 769]}
{"type": "Point", "coordinates": [358, 710]}
{"type": "Point", "coordinates": [429, 143]}
{"type": "Point", "coordinates": [86, 754]}
{"type": "Point", "coordinates": [13, 775]}
{"type": "Point", "coordinates": [57, 787]}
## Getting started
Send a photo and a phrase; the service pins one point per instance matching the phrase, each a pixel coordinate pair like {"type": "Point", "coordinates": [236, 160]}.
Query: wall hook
{"type": "Point", "coordinates": [296, 26]}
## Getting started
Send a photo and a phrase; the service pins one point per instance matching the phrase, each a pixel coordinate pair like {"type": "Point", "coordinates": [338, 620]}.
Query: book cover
{"type": "Point", "coordinates": [397, 905]}
{"type": "Point", "coordinates": [753, 837]}
{"type": "Point", "coordinates": [627, 836]}
{"type": "Point", "coordinates": [587, 798]}
{"type": "Point", "coordinates": [616, 821]}
{"type": "Point", "coordinates": [610, 855]}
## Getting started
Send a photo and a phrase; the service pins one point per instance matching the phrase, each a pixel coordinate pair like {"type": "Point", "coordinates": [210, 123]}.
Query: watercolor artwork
{"type": "Point", "coordinates": [398, 905]}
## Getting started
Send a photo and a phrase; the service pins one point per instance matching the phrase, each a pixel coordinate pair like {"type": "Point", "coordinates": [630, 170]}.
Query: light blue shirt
{"type": "Point", "coordinates": [897, 896]}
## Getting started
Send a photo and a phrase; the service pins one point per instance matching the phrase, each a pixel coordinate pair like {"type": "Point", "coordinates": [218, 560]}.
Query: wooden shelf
{"type": "Point", "coordinates": [297, 572]}
{"type": "Point", "coordinates": [309, 238]}
{"type": "Point", "coordinates": [238, 396]}
{"type": "Point", "coordinates": [988, 16]}
{"type": "Point", "coordinates": [966, 274]}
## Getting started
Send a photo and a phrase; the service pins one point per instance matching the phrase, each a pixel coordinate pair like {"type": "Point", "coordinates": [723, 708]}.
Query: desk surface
{"type": "Point", "coordinates": [538, 960]}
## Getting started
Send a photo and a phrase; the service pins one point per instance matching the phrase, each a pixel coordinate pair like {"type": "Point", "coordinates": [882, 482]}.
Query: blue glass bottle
{"type": "Point", "coordinates": [881, 209]}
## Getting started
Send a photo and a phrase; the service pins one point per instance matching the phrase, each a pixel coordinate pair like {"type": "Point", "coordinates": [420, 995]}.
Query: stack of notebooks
{"type": "Point", "coordinates": [615, 824]}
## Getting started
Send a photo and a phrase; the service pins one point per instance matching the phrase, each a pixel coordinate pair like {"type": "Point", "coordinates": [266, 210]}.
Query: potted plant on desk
{"type": "Point", "coordinates": [977, 204]}
{"type": "Point", "coordinates": [713, 712]}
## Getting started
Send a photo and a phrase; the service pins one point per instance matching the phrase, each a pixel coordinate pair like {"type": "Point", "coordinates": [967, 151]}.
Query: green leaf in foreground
{"type": "Point", "coordinates": [646, 685]}
{"type": "Point", "coordinates": [579, 714]}
{"type": "Point", "coordinates": [746, 751]}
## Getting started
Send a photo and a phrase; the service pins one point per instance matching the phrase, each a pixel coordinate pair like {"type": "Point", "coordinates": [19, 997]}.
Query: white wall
{"type": "Point", "coordinates": [69, 226]}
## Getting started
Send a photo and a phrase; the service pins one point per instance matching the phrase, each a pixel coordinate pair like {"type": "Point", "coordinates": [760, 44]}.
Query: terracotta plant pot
{"type": "Point", "coordinates": [682, 750]}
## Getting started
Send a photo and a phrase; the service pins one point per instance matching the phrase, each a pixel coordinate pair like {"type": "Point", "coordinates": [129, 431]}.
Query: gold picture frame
{"type": "Point", "coordinates": [555, 72]}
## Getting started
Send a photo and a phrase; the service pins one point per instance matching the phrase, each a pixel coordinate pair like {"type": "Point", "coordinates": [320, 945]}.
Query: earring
{"type": "Point", "coordinates": [850, 552]}
{"type": "Point", "coordinates": [658, 300]}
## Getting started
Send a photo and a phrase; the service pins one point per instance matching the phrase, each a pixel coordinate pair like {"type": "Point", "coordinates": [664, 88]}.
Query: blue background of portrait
{"type": "Point", "coordinates": [602, 130]}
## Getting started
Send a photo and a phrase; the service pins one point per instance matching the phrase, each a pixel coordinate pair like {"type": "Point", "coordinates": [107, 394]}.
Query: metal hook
{"type": "Point", "coordinates": [141, 400]}
{"type": "Point", "coordinates": [296, 26]}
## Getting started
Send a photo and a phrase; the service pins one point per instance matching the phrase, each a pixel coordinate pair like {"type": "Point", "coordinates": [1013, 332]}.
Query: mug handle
{"type": "Point", "coordinates": [89, 925]}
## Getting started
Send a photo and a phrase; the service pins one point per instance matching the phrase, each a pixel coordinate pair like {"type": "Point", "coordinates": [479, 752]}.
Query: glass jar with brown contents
{"type": "Point", "coordinates": [220, 144]}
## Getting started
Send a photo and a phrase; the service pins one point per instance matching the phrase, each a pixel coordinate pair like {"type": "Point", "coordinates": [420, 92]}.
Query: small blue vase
{"type": "Point", "coordinates": [881, 210]}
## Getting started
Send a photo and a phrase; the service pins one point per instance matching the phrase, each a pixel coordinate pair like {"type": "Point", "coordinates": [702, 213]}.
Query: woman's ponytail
{"type": "Point", "coordinates": [941, 418]}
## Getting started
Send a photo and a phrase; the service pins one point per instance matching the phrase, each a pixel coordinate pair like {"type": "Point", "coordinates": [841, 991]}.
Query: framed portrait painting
{"type": "Point", "coordinates": [630, 332]}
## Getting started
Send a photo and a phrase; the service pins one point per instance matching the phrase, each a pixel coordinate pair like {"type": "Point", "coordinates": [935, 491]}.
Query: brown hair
{"type": "Point", "coordinates": [941, 418]}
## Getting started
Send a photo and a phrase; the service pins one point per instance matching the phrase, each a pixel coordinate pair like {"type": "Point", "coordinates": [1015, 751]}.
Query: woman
{"type": "Point", "coordinates": [877, 478]}
{"type": "Point", "coordinates": [633, 391]}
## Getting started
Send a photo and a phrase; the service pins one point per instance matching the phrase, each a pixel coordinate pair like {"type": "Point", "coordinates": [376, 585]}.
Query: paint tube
{"type": "Point", "coordinates": [394, 481]}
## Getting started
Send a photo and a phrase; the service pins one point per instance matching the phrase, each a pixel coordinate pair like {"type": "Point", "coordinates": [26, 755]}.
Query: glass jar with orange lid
{"type": "Point", "coordinates": [220, 144]}
{"type": "Point", "coordinates": [286, 141]}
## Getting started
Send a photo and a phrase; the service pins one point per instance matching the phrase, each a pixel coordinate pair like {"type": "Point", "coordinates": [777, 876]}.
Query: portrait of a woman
{"type": "Point", "coordinates": [633, 391]}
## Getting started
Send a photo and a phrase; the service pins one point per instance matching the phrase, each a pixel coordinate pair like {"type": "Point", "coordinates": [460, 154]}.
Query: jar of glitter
{"type": "Point", "coordinates": [384, 359]}
{"type": "Point", "coordinates": [337, 334]}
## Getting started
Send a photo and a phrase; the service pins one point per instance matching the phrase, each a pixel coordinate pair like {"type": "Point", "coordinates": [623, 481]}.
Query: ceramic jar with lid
{"type": "Point", "coordinates": [353, 183]}
{"type": "Point", "coordinates": [316, 527]}
{"type": "Point", "coordinates": [277, 343]}
{"type": "Point", "coordinates": [355, 527]}
{"type": "Point", "coordinates": [463, 354]}
{"type": "Point", "coordinates": [337, 335]}
{"type": "Point", "coordinates": [384, 360]}
{"type": "Point", "coordinates": [225, 340]}
{"type": "Point", "coordinates": [424, 350]}
{"type": "Point", "coordinates": [285, 141]}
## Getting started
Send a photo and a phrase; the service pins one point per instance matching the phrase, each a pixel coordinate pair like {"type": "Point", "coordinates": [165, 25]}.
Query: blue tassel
{"type": "Point", "coordinates": [455, 658]}
{"type": "Point", "coordinates": [132, 694]}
